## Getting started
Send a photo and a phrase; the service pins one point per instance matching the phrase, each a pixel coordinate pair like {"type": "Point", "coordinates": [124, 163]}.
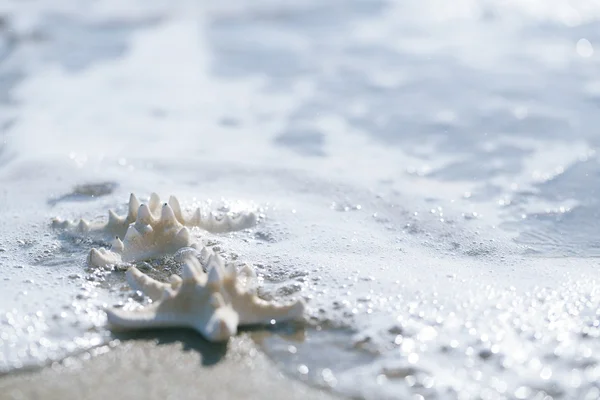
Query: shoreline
{"type": "Point", "coordinates": [161, 365]}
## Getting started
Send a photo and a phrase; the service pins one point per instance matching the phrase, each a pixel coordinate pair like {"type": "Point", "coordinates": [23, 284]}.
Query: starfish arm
{"type": "Point", "coordinates": [244, 221]}
{"type": "Point", "coordinates": [216, 325]}
{"type": "Point", "coordinates": [102, 257]}
{"type": "Point", "coordinates": [153, 214]}
{"type": "Point", "coordinates": [253, 310]}
{"type": "Point", "coordinates": [219, 326]}
{"type": "Point", "coordinates": [221, 225]}
{"type": "Point", "coordinates": [175, 281]}
{"type": "Point", "coordinates": [150, 287]}
{"type": "Point", "coordinates": [58, 223]}
{"type": "Point", "coordinates": [214, 225]}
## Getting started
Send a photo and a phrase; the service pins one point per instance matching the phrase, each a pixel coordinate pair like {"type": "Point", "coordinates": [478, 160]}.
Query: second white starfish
{"type": "Point", "coordinates": [213, 303]}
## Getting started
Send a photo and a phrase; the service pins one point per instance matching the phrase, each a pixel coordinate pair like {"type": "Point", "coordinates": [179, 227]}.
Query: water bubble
{"type": "Point", "coordinates": [546, 373]}
{"type": "Point", "coordinates": [413, 358]}
{"type": "Point", "coordinates": [523, 392]}
{"type": "Point", "coordinates": [328, 377]}
{"type": "Point", "coordinates": [303, 369]}
{"type": "Point", "coordinates": [410, 380]}
{"type": "Point", "coordinates": [521, 112]}
{"type": "Point", "coordinates": [584, 48]}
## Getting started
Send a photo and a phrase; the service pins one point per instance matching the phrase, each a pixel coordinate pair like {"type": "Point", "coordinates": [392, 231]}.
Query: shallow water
{"type": "Point", "coordinates": [427, 175]}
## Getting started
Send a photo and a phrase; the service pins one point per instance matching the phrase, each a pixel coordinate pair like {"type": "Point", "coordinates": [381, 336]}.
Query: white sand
{"type": "Point", "coordinates": [177, 366]}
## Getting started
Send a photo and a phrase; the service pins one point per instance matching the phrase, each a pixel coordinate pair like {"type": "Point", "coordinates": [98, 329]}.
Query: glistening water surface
{"type": "Point", "coordinates": [427, 171]}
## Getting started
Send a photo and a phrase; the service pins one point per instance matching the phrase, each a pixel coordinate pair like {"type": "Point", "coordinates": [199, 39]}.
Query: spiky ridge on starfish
{"type": "Point", "coordinates": [150, 231]}
{"type": "Point", "coordinates": [148, 237]}
{"type": "Point", "coordinates": [214, 302]}
{"type": "Point", "coordinates": [115, 226]}
{"type": "Point", "coordinates": [118, 225]}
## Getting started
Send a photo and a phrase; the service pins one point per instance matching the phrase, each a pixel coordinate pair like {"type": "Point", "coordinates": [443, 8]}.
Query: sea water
{"type": "Point", "coordinates": [426, 173]}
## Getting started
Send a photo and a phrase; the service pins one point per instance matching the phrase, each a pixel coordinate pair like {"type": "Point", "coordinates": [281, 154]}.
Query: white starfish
{"type": "Point", "coordinates": [148, 237]}
{"type": "Point", "coordinates": [115, 226]}
{"type": "Point", "coordinates": [118, 225]}
{"type": "Point", "coordinates": [212, 223]}
{"type": "Point", "coordinates": [213, 303]}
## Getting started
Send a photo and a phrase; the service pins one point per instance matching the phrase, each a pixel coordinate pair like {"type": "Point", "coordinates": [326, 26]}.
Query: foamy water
{"type": "Point", "coordinates": [426, 172]}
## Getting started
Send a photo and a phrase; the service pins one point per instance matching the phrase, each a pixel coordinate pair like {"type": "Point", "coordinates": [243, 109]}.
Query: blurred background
{"type": "Point", "coordinates": [419, 120]}
{"type": "Point", "coordinates": [494, 100]}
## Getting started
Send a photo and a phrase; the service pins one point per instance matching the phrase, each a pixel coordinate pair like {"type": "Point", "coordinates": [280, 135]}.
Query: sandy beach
{"type": "Point", "coordinates": [163, 365]}
{"type": "Point", "coordinates": [422, 173]}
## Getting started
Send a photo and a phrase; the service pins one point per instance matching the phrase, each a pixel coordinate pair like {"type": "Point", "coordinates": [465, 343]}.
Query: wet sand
{"type": "Point", "coordinates": [167, 365]}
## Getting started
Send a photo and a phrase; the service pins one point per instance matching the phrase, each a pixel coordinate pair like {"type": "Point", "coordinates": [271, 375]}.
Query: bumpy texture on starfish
{"type": "Point", "coordinates": [150, 231]}
{"type": "Point", "coordinates": [118, 225]}
{"type": "Point", "coordinates": [213, 303]}
{"type": "Point", "coordinates": [115, 226]}
{"type": "Point", "coordinates": [148, 237]}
